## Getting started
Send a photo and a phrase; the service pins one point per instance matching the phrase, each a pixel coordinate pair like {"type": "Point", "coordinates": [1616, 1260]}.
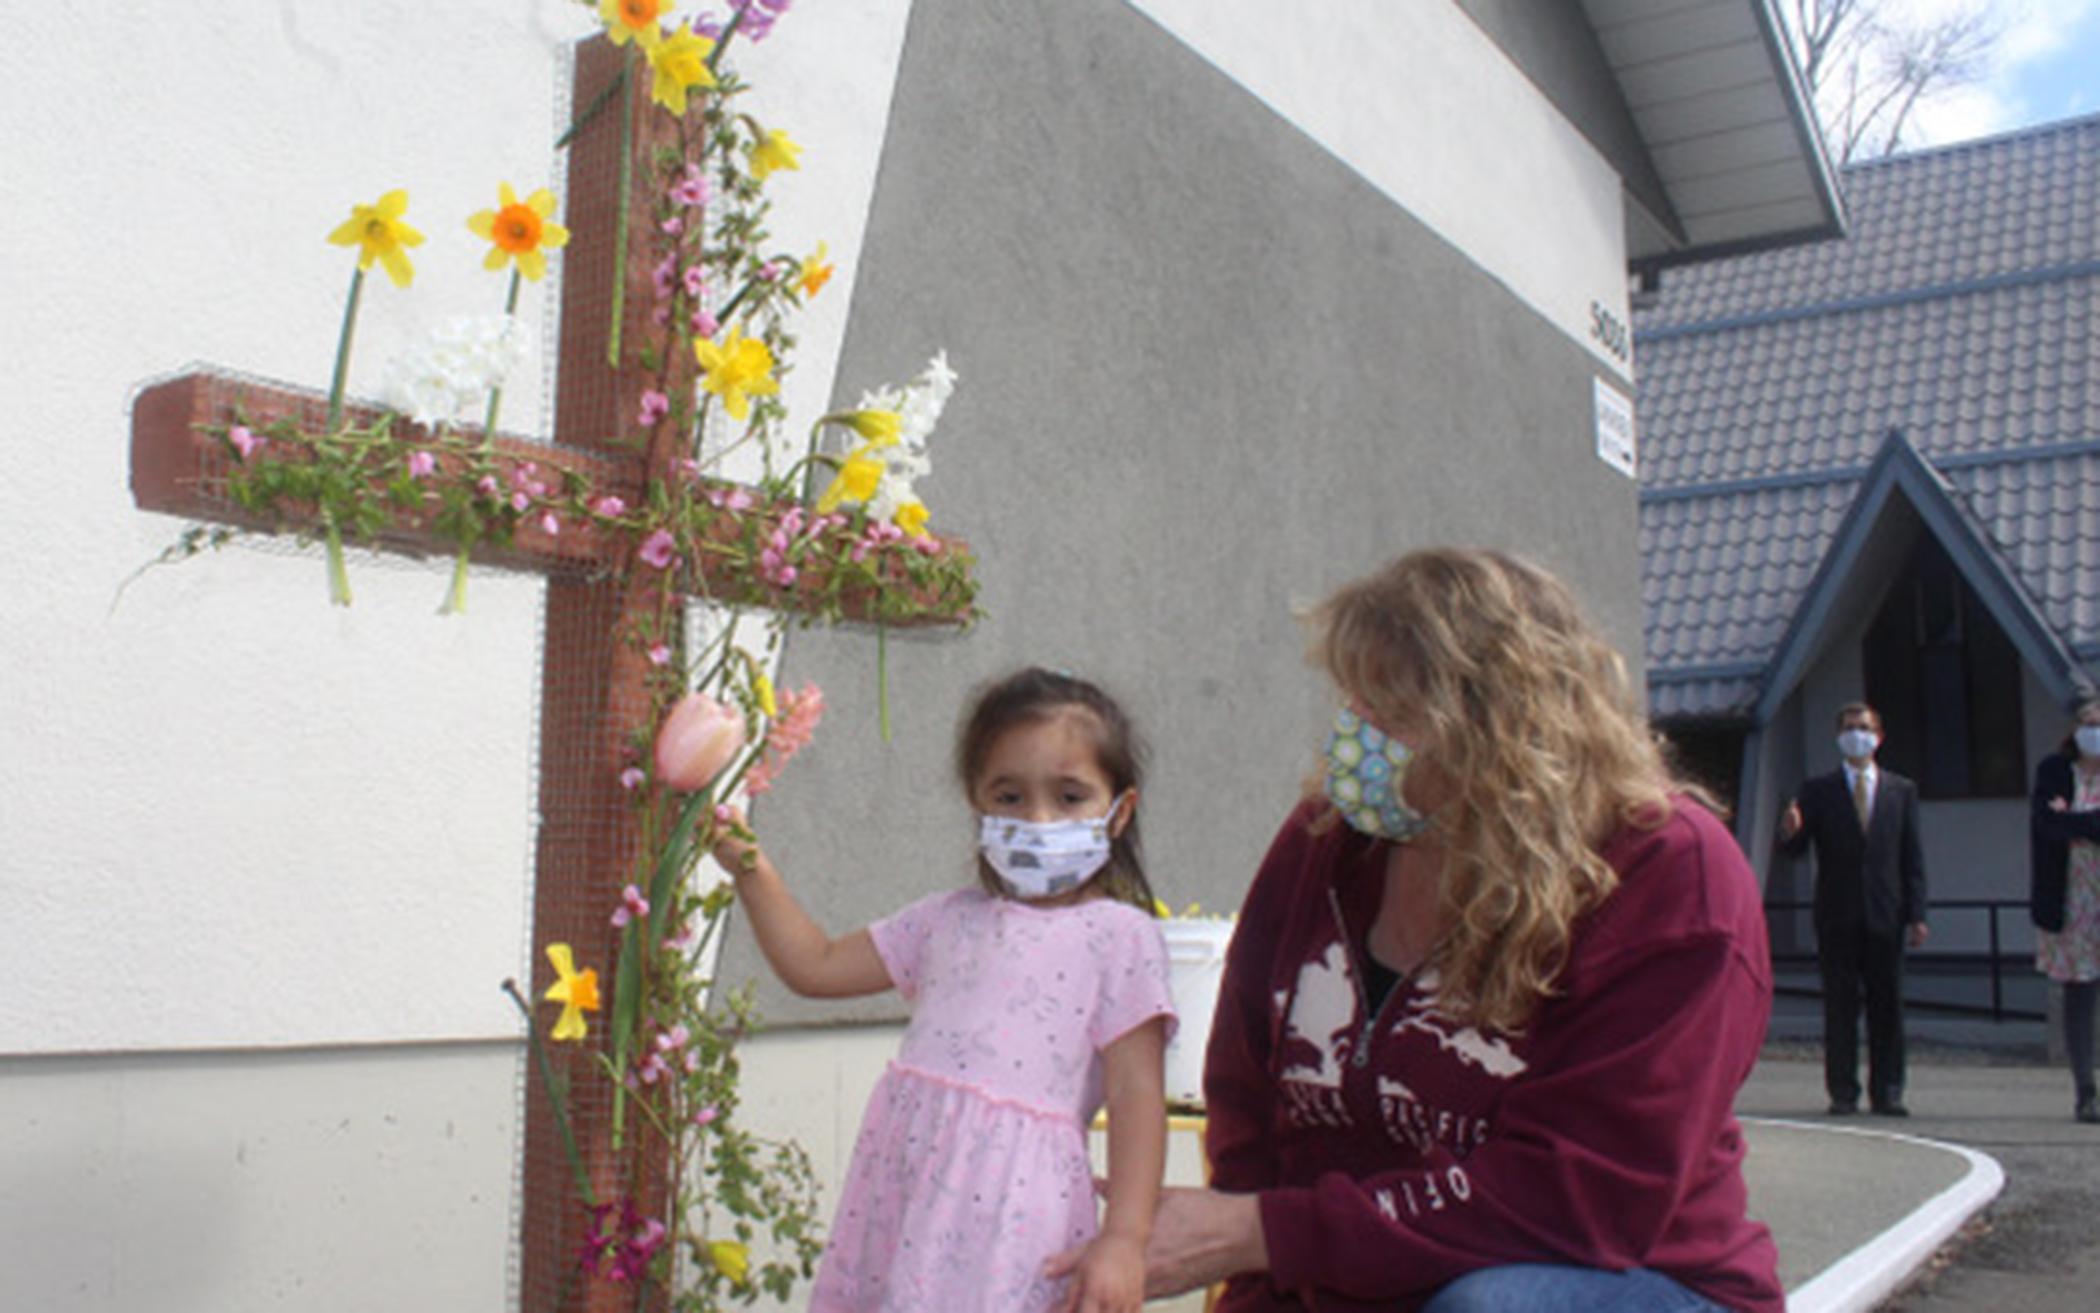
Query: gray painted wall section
{"type": "Point", "coordinates": [1206, 373]}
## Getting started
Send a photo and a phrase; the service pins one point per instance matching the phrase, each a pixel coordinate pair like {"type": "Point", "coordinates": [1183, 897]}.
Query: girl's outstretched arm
{"type": "Point", "coordinates": [1109, 1274]}
{"type": "Point", "coordinates": [806, 959]}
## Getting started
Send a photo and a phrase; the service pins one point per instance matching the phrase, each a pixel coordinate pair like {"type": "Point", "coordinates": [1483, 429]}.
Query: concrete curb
{"type": "Point", "coordinates": [1867, 1275]}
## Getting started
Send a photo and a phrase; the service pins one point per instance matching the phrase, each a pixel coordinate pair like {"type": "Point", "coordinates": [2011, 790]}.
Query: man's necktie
{"type": "Point", "coordinates": [1859, 798]}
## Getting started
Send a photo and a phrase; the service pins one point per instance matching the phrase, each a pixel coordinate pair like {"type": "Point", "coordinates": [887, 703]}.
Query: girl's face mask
{"type": "Point", "coordinates": [1041, 859]}
{"type": "Point", "coordinates": [2088, 737]}
{"type": "Point", "coordinates": [1365, 770]}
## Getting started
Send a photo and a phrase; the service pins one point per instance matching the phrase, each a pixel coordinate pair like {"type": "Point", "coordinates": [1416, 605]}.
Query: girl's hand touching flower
{"type": "Point", "coordinates": [736, 848]}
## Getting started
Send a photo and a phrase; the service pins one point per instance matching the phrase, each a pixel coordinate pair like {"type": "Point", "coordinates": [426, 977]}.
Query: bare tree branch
{"type": "Point", "coordinates": [1869, 64]}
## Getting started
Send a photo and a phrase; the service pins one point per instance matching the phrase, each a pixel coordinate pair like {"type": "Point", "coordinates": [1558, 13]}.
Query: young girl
{"type": "Point", "coordinates": [1033, 999]}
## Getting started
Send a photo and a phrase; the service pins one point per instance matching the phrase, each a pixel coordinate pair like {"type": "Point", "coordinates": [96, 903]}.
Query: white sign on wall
{"type": "Point", "coordinates": [1615, 437]}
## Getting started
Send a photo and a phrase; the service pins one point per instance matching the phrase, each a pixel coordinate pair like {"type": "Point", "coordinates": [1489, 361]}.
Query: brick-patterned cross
{"type": "Point", "coordinates": [593, 680]}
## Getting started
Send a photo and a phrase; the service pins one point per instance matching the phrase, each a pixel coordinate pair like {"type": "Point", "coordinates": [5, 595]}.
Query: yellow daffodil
{"type": "Point", "coordinates": [378, 233]}
{"type": "Point", "coordinates": [1162, 911]}
{"type": "Point", "coordinates": [857, 478]}
{"type": "Point", "coordinates": [632, 20]}
{"type": "Point", "coordinates": [815, 271]}
{"type": "Point", "coordinates": [777, 151]}
{"type": "Point", "coordinates": [520, 230]}
{"type": "Point", "coordinates": [680, 63]}
{"type": "Point", "coordinates": [576, 991]}
{"type": "Point", "coordinates": [736, 370]}
{"type": "Point", "coordinates": [911, 517]}
{"type": "Point", "coordinates": [731, 1259]}
{"type": "Point", "coordinates": [880, 427]}
{"type": "Point", "coordinates": [762, 690]}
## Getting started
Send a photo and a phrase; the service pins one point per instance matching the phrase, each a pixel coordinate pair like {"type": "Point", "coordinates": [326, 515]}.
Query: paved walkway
{"type": "Point", "coordinates": [1865, 1207]}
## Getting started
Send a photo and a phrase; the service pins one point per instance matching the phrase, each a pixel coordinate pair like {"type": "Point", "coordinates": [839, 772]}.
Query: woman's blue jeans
{"type": "Point", "coordinates": [1549, 1288]}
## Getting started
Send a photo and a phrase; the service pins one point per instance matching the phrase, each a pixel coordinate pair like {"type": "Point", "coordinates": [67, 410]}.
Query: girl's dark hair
{"type": "Point", "coordinates": [1036, 694]}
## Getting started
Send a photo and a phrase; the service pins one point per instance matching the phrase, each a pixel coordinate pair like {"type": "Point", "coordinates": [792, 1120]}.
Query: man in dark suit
{"type": "Point", "coordinates": [1870, 904]}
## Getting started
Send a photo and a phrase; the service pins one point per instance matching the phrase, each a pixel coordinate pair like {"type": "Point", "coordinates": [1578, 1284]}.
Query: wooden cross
{"type": "Point", "coordinates": [594, 678]}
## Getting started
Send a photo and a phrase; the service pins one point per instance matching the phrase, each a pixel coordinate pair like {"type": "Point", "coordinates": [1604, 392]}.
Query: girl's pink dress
{"type": "Point", "coordinates": [971, 1167]}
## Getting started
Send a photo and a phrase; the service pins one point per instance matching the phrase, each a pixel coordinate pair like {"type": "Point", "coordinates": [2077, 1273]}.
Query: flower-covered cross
{"type": "Point", "coordinates": [670, 331]}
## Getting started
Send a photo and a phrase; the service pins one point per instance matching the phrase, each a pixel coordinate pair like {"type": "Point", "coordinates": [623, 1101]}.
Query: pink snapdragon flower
{"type": "Point", "coordinates": [244, 440]}
{"type": "Point", "coordinates": [609, 506]}
{"type": "Point", "coordinates": [789, 733]}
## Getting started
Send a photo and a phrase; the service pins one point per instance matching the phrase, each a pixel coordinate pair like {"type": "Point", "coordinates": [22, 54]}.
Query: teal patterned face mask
{"type": "Point", "coordinates": [1365, 767]}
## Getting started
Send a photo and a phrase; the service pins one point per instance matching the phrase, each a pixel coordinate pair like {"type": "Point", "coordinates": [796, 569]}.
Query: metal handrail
{"type": "Point", "coordinates": [1996, 958]}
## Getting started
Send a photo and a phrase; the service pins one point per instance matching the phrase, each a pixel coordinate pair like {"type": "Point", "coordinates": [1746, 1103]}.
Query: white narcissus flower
{"type": "Point", "coordinates": [919, 406]}
{"type": "Point", "coordinates": [453, 370]}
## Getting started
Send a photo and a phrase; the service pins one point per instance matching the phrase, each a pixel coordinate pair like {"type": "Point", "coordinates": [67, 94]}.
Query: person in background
{"type": "Point", "coordinates": [2064, 835]}
{"type": "Point", "coordinates": [1870, 905]}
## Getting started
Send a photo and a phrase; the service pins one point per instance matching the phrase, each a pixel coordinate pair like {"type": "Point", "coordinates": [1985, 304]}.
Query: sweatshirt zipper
{"type": "Point", "coordinates": [1360, 1055]}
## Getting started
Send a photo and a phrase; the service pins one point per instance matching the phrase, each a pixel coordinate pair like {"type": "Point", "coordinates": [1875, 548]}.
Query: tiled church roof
{"type": "Point", "coordinates": [1961, 311]}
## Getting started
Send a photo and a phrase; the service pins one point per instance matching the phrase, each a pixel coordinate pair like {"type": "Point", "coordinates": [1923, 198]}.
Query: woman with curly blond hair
{"type": "Point", "coordinates": [1492, 993]}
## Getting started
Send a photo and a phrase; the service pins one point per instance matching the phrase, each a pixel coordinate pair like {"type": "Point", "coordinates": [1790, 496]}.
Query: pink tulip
{"type": "Point", "coordinates": [697, 740]}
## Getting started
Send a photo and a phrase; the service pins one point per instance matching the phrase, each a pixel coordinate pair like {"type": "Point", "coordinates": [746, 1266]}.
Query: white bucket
{"type": "Point", "coordinates": [1196, 961]}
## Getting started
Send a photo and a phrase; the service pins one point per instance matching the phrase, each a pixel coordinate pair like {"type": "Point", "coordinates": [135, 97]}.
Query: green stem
{"type": "Point", "coordinates": [561, 1116]}
{"type": "Point", "coordinates": [342, 349]}
{"type": "Point", "coordinates": [736, 18]}
{"type": "Point", "coordinates": [619, 287]}
{"type": "Point", "coordinates": [456, 594]}
{"type": "Point", "coordinates": [642, 938]}
{"type": "Point", "coordinates": [627, 1006]}
{"type": "Point", "coordinates": [729, 308]}
{"type": "Point", "coordinates": [592, 110]}
{"type": "Point", "coordinates": [488, 422]}
{"type": "Point", "coordinates": [338, 573]}
{"type": "Point", "coordinates": [882, 677]}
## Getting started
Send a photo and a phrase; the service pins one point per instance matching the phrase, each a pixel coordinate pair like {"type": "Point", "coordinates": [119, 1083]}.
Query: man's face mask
{"type": "Point", "coordinates": [1858, 744]}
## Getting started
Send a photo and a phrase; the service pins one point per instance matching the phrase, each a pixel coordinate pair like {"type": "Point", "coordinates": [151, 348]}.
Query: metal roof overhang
{"type": "Point", "coordinates": [1727, 122]}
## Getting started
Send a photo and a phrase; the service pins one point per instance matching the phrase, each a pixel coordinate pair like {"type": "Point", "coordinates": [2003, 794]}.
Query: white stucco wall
{"type": "Point", "coordinates": [268, 861]}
